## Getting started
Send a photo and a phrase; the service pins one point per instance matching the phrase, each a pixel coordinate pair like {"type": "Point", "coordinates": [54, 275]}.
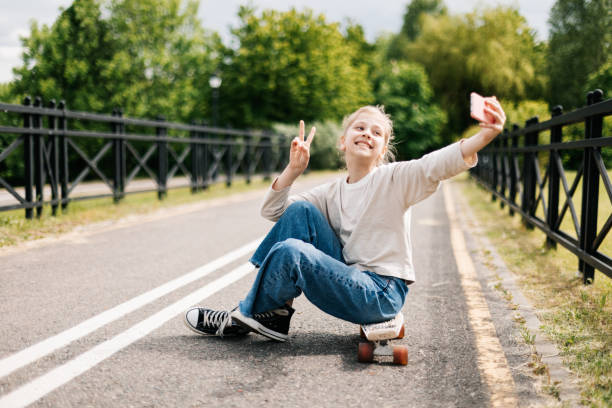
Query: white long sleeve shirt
{"type": "Point", "coordinates": [371, 217]}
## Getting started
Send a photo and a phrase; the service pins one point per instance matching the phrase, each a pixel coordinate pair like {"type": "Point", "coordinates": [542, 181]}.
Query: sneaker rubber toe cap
{"type": "Point", "coordinates": [191, 317]}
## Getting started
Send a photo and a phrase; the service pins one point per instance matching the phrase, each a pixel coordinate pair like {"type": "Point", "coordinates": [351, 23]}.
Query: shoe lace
{"type": "Point", "coordinates": [271, 313]}
{"type": "Point", "coordinates": [220, 318]}
{"type": "Point", "coordinates": [264, 315]}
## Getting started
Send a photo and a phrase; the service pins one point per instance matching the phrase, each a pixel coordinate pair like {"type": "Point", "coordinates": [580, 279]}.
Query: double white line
{"type": "Point", "coordinates": [55, 378]}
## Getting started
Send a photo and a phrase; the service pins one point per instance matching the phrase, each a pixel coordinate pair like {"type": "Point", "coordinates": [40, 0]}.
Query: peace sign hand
{"type": "Point", "coordinates": [299, 154]}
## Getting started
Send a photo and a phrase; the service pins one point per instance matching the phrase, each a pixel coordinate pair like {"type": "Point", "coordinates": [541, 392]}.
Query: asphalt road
{"type": "Point", "coordinates": [145, 357]}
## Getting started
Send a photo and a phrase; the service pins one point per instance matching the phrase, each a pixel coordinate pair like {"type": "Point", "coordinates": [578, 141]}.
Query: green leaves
{"type": "Point", "coordinates": [580, 42]}
{"type": "Point", "coordinates": [407, 96]}
{"type": "Point", "coordinates": [492, 51]}
{"type": "Point", "coordinates": [148, 57]}
{"type": "Point", "coordinates": [289, 66]}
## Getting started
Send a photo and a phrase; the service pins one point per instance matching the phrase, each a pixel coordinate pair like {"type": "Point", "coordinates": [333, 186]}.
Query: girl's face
{"type": "Point", "coordinates": [364, 139]}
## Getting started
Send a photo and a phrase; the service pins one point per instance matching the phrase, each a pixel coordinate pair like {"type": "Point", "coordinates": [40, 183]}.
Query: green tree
{"type": "Point", "coordinates": [163, 60]}
{"type": "Point", "coordinates": [408, 98]}
{"type": "Point", "coordinates": [6, 93]}
{"type": "Point", "coordinates": [289, 66]}
{"type": "Point", "coordinates": [492, 52]}
{"type": "Point", "coordinates": [364, 52]}
{"type": "Point", "coordinates": [601, 79]}
{"type": "Point", "coordinates": [149, 57]}
{"type": "Point", "coordinates": [67, 61]}
{"type": "Point", "coordinates": [580, 43]}
{"type": "Point", "coordinates": [412, 25]}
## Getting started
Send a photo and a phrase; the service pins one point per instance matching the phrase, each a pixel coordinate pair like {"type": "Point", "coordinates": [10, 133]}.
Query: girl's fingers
{"type": "Point", "coordinates": [497, 106]}
{"type": "Point", "coordinates": [301, 130]}
{"type": "Point", "coordinates": [311, 135]}
{"type": "Point", "coordinates": [495, 114]}
{"type": "Point", "coordinates": [493, 103]}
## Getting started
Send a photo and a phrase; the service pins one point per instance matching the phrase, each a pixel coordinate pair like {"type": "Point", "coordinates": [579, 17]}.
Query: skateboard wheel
{"type": "Point", "coordinates": [400, 355]}
{"type": "Point", "coordinates": [401, 333]}
{"type": "Point", "coordinates": [365, 353]}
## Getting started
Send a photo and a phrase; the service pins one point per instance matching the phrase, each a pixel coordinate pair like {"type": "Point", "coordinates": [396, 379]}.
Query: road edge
{"type": "Point", "coordinates": [495, 267]}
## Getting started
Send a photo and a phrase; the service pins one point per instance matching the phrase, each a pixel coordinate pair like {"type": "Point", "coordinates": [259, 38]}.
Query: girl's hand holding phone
{"type": "Point", "coordinates": [489, 113]}
{"type": "Point", "coordinates": [299, 155]}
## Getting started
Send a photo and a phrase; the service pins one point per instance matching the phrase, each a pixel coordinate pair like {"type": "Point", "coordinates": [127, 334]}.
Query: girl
{"type": "Point", "coordinates": [343, 244]}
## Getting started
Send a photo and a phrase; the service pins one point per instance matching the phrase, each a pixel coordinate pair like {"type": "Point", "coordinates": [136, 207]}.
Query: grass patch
{"type": "Point", "coordinates": [15, 228]}
{"type": "Point", "coordinates": [576, 317]}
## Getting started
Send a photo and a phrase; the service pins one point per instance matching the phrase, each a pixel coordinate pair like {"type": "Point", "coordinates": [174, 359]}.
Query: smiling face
{"type": "Point", "coordinates": [365, 139]}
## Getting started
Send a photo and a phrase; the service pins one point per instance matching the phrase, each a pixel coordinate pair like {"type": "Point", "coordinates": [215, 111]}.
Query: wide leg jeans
{"type": "Point", "coordinates": [302, 254]}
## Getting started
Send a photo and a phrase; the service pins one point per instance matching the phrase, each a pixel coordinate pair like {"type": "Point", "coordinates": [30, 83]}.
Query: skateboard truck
{"type": "Point", "coordinates": [380, 336]}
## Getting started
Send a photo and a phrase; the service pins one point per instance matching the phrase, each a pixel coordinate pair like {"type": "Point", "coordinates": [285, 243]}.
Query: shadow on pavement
{"type": "Point", "coordinates": [257, 350]}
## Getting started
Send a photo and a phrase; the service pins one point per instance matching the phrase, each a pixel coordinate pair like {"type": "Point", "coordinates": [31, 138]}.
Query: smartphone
{"type": "Point", "coordinates": [477, 105]}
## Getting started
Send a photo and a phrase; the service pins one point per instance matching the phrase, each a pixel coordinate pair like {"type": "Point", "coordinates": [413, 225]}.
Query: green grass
{"type": "Point", "coordinates": [576, 317]}
{"type": "Point", "coordinates": [15, 229]}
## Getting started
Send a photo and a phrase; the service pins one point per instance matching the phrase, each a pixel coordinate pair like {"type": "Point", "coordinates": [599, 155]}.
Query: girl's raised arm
{"type": "Point", "coordinates": [299, 155]}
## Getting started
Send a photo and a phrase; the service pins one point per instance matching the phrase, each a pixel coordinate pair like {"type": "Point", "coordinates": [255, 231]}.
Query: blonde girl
{"type": "Point", "coordinates": [343, 244]}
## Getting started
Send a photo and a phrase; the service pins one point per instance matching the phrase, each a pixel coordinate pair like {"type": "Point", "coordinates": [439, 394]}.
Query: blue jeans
{"type": "Point", "coordinates": [301, 254]}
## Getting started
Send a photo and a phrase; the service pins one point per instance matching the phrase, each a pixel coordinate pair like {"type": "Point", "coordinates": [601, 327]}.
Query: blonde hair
{"type": "Point", "coordinates": [387, 129]}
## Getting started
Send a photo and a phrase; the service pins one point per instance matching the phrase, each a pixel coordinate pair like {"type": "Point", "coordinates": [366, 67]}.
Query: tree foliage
{"type": "Point", "coordinates": [492, 51]}
{"type": "Point", "coordinates": [148, 57]}
{"type": "Point", "coordinates": [412, 24]}
{"type": "Point", "coordinates": [289, 66]}
{"type": "Point", "coordinates": [408, 98]}
{"type": "Point", "coordinates": [164, 59]}
{"type": "Point", "coordinates": [580, 44]}
{"type": "Point", "coordinates": [67, 60]}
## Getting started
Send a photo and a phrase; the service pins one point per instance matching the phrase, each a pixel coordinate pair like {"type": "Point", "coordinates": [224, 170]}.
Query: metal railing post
{"type": "Point", "coordinates": [64, 174]}
{"type": "Point", "coordinates": [194, 159]}
{"type": "Point", "coordinates": [590, 189]}
{"type": "Point", "coordinates": [162, 160]}
{"type": "Point", "coordinates": [503, 146]}
{"type": "Point", "coordinates": [204, 160]}
{"type": "Point", "coordinates": [54, 165]}
{"type": "Point", "coordinates": [123, 150]}
{"type": "Point", "coordinates": [229, 163]}
{"type": "Point", "coordinates": [267, 156]}
{"type": "Point", "coordinates": [118, 159]}
{"type": "Point", "coordinates": [554, 179]}
{"type": "Point", "coordinates": [63, 142]}
{"type": "Point", "coordinates": [494, 173]}
{"type": "Point", "coordinates": [248, 157]}
{"type": "Point", "coordinates": [38, 159]}
{"type": "Point", "coordinates": [28, 159]}
{"type": "Point", "coordinates": [529, 174]}
{"type": "Point", "coordinates": [513, 168]}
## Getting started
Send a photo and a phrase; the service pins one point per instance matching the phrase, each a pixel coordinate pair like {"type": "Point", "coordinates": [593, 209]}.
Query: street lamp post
{"type": "Point", "coordinates": [215, 83]}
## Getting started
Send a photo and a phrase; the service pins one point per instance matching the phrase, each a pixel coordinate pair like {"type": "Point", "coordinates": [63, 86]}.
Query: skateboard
{"type": "Point", "coordinates": [379, 336]}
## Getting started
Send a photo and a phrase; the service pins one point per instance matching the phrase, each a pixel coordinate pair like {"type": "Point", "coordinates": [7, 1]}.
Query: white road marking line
{"type": "Point", "coordinates": [492, 361]}
{"type": "Point", "coordinates": [41, 386]}
{"type": "Point", "coordinates": [47, 346]}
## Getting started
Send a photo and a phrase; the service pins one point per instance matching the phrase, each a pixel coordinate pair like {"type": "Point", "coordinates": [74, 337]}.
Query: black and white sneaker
{"type": "Point", "coordinates": [213, 323]}
{"type": "Point", "coordinates": [273, 324]}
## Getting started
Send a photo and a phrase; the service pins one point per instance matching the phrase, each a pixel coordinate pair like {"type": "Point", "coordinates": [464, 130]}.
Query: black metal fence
{"type": "Point", "coordinates": [61, 148]}
{"type": "Point", "coordinates": [516, 164]}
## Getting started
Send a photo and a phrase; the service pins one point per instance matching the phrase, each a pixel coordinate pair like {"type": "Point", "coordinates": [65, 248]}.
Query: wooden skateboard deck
{"type": "Point", "coordinates": [379, 336]}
